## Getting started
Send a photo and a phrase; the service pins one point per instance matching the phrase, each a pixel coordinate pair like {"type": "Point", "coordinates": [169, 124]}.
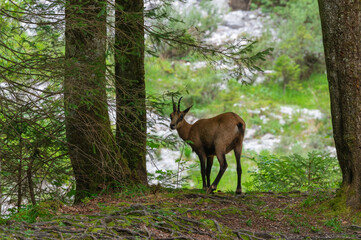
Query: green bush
{"type": "Point", "coordinates": [287, 71]}
{"type": "Point", "coordinates": [298, 33]}
{"type": "Point", "coordinates": [31, 213]}
{"type": "Point", "coordinates": [290, 173]}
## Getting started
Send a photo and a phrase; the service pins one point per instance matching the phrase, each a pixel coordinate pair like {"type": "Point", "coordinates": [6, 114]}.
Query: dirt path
{"type": "Point", "coordinates": [176, 214]}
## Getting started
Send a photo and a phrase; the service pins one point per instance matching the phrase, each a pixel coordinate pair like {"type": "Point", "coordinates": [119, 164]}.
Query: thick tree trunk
{"type": "Point", "coordinates": [130, 86]}
{"type": "Point", "coordinates": [341, 27]}
{"type": "Point", "coordinates": [88, 132]}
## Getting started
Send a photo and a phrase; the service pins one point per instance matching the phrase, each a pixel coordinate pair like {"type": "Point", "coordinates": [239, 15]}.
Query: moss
{"type": "Point", "coordinates": [245, 236]}
{"type": "Point", "coordinates": [173, 195]}
{"type": "Point", "coordinates": [204, 201]}
{"type": "Point", "coordinates": [123, 204]}
{"type": "Point", "coordinates": [109, 209]}
{"type": "Point", "coordinates": [51, 204]}
{"type": "Point", "coordinates": [230, 210]}
{"type": "Point", "coordinates": [336, 206]}
{"type": "Point", "coordinates": [95, 229]}
{"type": "Point", "coordinates": [125, 223]}
{"type": "Point", "coordinates": [96, 222]}
{"type": "Point", "coordinates": [144, 219]}
{"type": "Point", "coordinates": [181, 210]}
{"type": "Point", "coordinates": [201, 214]}
{"type": "Point", "coordinates": [210, 224]}
{"type": "Point", "coordinates": [224, 233]}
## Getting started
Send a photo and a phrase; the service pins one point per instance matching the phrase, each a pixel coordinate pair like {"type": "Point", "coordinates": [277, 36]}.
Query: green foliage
{"type": "Point", "coordinates": [288, 173]}
{"type": "Point", "coordinates": [303, 33]}
{"type": "Point", "coordinates": [31, 213]}
{"type": "Point", "coordinates": [129, 191]}
{"type": "Point", "coordinates": [316, 198]}
{"type": "Point", "coordinates": [335, 224]}
{"type": "Point", "coordinates": [298, 33]}
{"type": "Point", "coordinates": [286, 71]}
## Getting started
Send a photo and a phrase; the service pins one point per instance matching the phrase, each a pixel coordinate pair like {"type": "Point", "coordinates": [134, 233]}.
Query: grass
{"type": "Point", "coordinates": [205, 88]}
{"type": "Point", "coordinates": [312, 93]}
{"type": "Point", "coordinates": [228, 182]}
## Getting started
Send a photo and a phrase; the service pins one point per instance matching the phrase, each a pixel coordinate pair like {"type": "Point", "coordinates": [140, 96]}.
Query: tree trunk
{"type": "Point", "coordinates": [20, 185]}
{"type": "Point", "coordinates": [88, 132]}
{"type": "Point", "coordinates": [30, 181]}
{"type": "Point", "coordinates": [341, 28]}
{"type": "Point", "coordinates": [130, 86]}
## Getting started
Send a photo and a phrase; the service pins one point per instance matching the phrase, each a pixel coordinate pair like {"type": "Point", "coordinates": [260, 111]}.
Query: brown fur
{"type": "Point", "coordinates": [211, 137]}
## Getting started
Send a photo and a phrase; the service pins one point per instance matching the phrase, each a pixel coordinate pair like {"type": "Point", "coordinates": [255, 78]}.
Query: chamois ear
{"type": "Point", "coordinates": [186, 110]}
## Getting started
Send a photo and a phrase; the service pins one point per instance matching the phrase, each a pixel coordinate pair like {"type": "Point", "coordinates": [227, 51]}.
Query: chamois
{"type": "Point", "coordinates": [211, 137]}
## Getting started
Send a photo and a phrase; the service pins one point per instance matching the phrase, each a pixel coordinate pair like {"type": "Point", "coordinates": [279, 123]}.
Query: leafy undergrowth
{"type": "Point", "coordinates": [191, 214]}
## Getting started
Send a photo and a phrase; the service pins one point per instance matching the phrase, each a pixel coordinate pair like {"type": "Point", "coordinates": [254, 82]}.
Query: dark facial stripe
{"type": "Point", "coordinates": [179, 120]}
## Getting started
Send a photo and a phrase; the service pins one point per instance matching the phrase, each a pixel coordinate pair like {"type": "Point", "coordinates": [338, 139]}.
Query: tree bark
{"type": "Point", "coordinates": [90, 139]}
{"type": "Point", "coordinates": [29, 176]}
{"type": "Point", "coordinates": [341, 28]}
{"type": "Point", "coordinates": [130, 86]}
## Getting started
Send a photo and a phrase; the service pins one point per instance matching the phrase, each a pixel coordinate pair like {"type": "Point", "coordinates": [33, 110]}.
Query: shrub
{"type": "Point", "coordinates": [286, 70]}
{"type": "Point", "coordinates": [289, 173]}
{"type": "Point", "coordinates": [296, 32]}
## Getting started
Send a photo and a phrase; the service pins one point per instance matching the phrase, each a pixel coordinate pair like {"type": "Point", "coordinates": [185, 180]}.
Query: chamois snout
{"type": "Point", "coordinates": [172, 126]}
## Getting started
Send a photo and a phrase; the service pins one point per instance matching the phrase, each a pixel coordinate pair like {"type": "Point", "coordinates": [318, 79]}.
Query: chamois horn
{"type": "Point", "coordinates": [174, 107]}
{"type": "Point", "coordinates": [179, 103]}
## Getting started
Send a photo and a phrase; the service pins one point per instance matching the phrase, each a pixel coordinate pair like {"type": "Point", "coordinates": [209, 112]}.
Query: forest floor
{"type": "Point", "coordinates": [192, 214]}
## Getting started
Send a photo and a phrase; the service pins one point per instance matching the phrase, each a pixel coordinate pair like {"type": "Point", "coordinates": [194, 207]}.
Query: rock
{"type": "Point", "coordinates": [239, 4]}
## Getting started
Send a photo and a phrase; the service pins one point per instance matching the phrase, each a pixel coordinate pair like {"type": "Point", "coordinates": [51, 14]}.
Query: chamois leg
{"type": "Point", "coordinates": [238, 153]}
{"type": "Point", "coordinates": [222, 168]}
{"type": "Point", "coordinates": [208, 170]}
{"type": "Point", "coordinates": [202, 159]}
